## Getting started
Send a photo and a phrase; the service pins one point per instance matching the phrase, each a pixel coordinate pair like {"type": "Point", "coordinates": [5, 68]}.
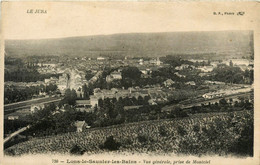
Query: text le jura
{"type": "Point", "coordinates": [36, 11]}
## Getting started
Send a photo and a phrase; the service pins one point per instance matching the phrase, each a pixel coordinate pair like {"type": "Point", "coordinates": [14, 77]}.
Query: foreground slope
{"type": "Point", "coordinates": [218, 133]}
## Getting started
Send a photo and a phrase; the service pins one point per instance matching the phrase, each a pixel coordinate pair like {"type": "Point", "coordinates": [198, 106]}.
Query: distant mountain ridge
{"type": "Point", "coordinates": [135, 44]}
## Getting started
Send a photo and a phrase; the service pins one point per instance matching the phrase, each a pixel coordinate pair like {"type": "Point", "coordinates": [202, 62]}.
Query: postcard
{"type": "Point", "coordinates": [134, 82]}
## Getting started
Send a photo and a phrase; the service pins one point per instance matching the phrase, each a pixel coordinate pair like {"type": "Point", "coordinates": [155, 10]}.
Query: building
{"type": "Point", "coordinates": [126, 108]}
{"type": "Point", "coordinates": [83, 105]}
{"type": "Point", "coordinates": [52, 80]}
{"type": "Point", "coordinates": [158, 62]}
{"type": "Point", "coordinates": [179, 75]}
{"type": "Point", "coordinates": [214, 82]}
{"type": "Point", "coordinates": [190, 83]}
{"type": "Point", "coordinates": [63, 82]}
{"type": "Point", "coordinates": [114, 76]}
{"type": "Point", "coordinates": [93, 101]}
{"type": "Point", "coordinates": [240, 62]}
{"type": "Point", "coordinates": [101, 58]}
{"type": "Point", "coordinates": [206, 69]}
{"type": "Point", "coordinates": [183, 66]}
{"type": "Point", "coordinates": [82, 102]}
{"type": "Point", "coordinates": [37, 107]}
{"type": "Point", "coordinates": [168, 83]}
{"type": "Point", "coordinates": [144, 71]}
{"type": "Point", "coordinates": [81, 126]}
{"type": "Point", "coordinates": [13, 117]}
{"type": "Point", "coordinates": [141, 61]}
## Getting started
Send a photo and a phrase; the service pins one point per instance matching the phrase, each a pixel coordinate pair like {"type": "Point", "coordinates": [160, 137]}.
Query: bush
{"type": "Point", "coordinates": [181, 131]}
{"type": "Point", "coordinates": [77, 150]}
{"type": "Point", "coordinates": [162, 131]}
{"type": "Point", "coordinates": [142, 138]}
{"type": "Point", "coordinates": [110, 144]}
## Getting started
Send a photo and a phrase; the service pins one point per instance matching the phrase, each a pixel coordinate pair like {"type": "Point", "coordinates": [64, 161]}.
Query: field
{"type": "Point", "coordinates": [227, 133]}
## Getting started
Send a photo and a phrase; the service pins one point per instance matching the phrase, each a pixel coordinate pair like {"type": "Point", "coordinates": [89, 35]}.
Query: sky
{"type": "Point", "coordinates": [66, 19]}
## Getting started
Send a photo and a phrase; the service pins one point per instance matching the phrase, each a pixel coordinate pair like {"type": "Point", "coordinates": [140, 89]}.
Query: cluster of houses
{"type": "Point", "coordinates": [75, 79]}
{"type": "Point", "coordinates": [22, 85]}
{"type": "Point", "coordinates": [51, 68]}
{"type": "Point", "coordinates": [116, 93]}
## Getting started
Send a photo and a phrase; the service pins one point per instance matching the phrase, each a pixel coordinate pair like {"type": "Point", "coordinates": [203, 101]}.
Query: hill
{"type": "Point", "coordinates": [137, 44]}
{"type": "Point", "coordinates": [203, 134]}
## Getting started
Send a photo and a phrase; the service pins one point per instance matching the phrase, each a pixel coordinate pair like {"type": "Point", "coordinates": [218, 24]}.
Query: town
{"type": "Point", "coordinates": [127, 103]}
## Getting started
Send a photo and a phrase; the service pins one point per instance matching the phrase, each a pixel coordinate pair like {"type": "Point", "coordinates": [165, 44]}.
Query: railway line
{"type": "Point", "coordinates": [214, 100]}
{"type": "Point", "coordinates": [27, 104]}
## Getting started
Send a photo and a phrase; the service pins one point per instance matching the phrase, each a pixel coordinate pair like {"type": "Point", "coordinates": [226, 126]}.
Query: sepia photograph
{"type": "Point", "coordinates": [127, 82]}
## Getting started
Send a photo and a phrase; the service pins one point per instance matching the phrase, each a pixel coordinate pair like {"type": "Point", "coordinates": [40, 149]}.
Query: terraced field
{"type": "Point", "coordinates": [212, 133]}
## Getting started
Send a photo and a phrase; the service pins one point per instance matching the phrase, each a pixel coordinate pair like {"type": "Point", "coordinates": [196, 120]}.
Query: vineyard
{"type": "Point", "coordinates": [202, 134]}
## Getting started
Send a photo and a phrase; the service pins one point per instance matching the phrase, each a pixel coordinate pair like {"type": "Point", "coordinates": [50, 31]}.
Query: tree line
{"type": "Point", "coordinates": [13, 94]}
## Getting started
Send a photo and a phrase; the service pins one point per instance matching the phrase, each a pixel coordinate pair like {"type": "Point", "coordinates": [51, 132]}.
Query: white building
{"type": "Point", "coordinates": [36, 107]}
{"type": "Point", "coordinates": [114, 76]}
{"type": "Point", "coordinates": [93, 101]}
{"type": "Point", "coordinates": [81, 125]}
{"type": "Point", "coordinates": [101, 58]}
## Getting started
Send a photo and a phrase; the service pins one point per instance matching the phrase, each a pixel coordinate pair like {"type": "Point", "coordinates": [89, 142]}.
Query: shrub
{"type": "Point", "coordinates": [76, 150]}
{"type": "Point", "coordinates": [142, 138]}
{"type": "Point", "coordinates": [162, 131]}
{"type": "Point", "coordinates": [110, 144]}
{"type": "Point", "coordinates": [181, 131]}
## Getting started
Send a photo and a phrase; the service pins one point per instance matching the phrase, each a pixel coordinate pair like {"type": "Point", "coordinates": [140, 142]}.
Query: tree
{"type": "Point", "coordinates": [69, 98]}
{"type": "Point", "coordinates": [223, 102]}
{"type": "Point", "coordinates": [140, 100]}
{"type": "Point", "coordinates": [119, 112]}
{"type": "Point", "coordinates": [228, 74]}
{"type": "Point", "coordinates": [131, 72]}
{"type": "Point", "coordinates": [85, 91]}
{"type": "Point", "coordinates": [181, 131]}
{"type": "Point", "coordinates": [163, 131]}
{"type": "Point", "coordinates": [178, 112]}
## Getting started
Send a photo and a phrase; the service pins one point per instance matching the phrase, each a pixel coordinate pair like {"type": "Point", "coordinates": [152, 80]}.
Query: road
{"type": "Point", "coordinates": [16, 133]}
{"type": "Point", "coordinates": [28, 103]}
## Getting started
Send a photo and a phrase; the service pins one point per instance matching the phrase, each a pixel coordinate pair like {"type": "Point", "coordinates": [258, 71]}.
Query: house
{"type": "Point", "coordinates": [93, 101]}
{"type": "Point", "coordinates": [141, 61]}
{"type": "Point", "coordinates": [114, 76]}
{"type": "Point", "coordinates": [206, 69]}
{"type": "Point", "coordinates": [152, 102]}
{"type": "Point", "coordinates": [168, 83]}
{"type": "Point", "coordinates": [144, 71]}
{"type": "Point", "coordinates": [63, 82]}
{"type": "Point", "coordinates": [101, 58]}
{"type": "Point", "coordinates": [146, 76]}
{"type": "Point", "coordinates": [132, 107]}
{"type": "Point", "coordinates": [83, 105]}
{"type": "Point", "coordinates": [190, 83]}
{"type": "Point", "coordinates": [37, 107]}
{"type": "Point", "coordinates": [47, 80]}
{"type": "Point", "coordinates": [179, 75]}
{"type": "Point", "coordinates": [13, 117]}
{"type": "Point", "coordinates": [81, 125]}
{"type": "Point", "coordinates": [82, 102]}
{"type": "Point", "coordinates": [214, 82]}
{"type": "Point", "coordinates": [183, 66]}
{"type": "Point", "coordinates": [204, 74]}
